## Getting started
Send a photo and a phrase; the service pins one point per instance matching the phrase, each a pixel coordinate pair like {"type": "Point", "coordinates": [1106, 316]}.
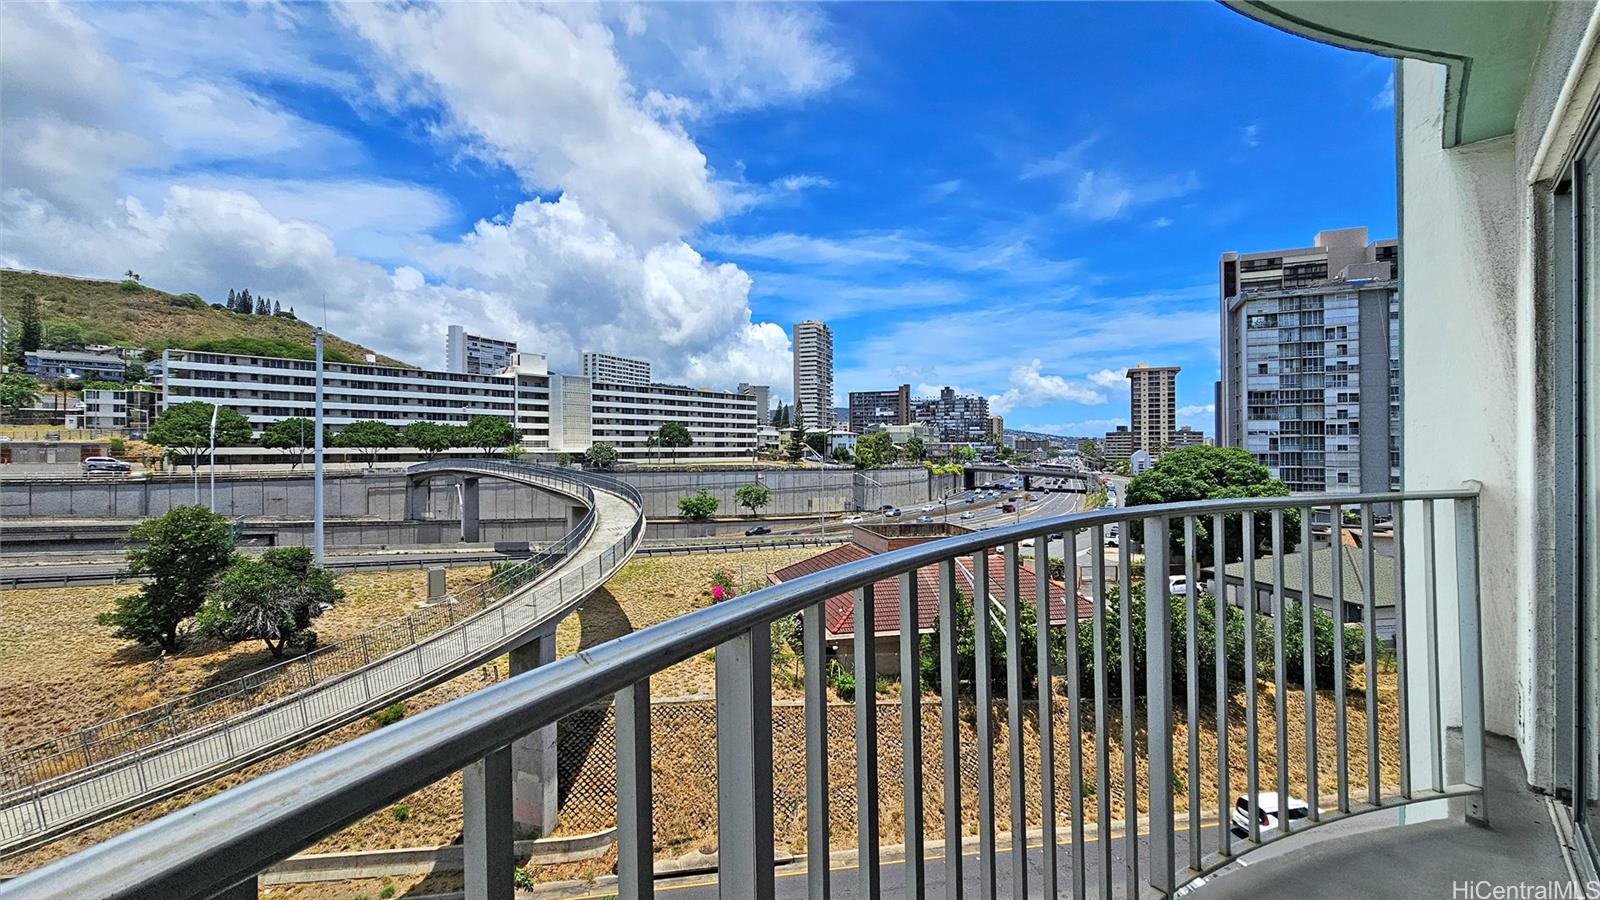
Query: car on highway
{"type": "Point", "coordinates": [886, 507]}
{"type": "Point", "coordinates": [1267, 812]}
{"type": "Point", "coordinates": [924, 520]}
{"type": "Point", "coordinates": [968, 514]}
{"type": "Point", "coordinates": [1008, 507]}
{"type": "Point", "coordinates": [759, 529]}
{"type": "Point", "coordinates": [851, 520]}
{"type": "Point", "coordinates": [891, 513]}
{"type": "Point", "coordinates": [95, 465]}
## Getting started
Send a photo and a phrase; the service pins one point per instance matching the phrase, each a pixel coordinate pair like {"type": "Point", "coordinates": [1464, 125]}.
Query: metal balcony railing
{"type": "Point", "coordinates": [219, 844]}
{"type": "Point", "coordinates": [87, 775]}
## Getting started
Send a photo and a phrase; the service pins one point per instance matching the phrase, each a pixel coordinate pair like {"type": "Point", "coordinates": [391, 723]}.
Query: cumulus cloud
{"type": "Point", "coordinates": [1384, 99]}
{"type": "Point", "coordinates": [1031, 387]}
{"type": "Point", "coordinates": [1110, 379]}
{"type": "Point", "coordinates": [1204, 409]}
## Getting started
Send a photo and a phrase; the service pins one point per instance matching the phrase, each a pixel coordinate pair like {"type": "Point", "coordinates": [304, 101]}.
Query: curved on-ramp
{"type": "Point", "coordinates": [86, 777]}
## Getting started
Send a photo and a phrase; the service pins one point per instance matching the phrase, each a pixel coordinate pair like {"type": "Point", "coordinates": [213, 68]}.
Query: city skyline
{"type": "Point", "coordinates": [1077, 200]}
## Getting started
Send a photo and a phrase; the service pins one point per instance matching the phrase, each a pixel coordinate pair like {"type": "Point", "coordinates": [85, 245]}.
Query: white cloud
{"type": "Point", "coordinates": [757, 54]}
{"type": "Point", "coordinates": [542, 91]}
{"type": "Point", "coordinates": [1384, 99]}
{"type": "Point", "coordinates": [1161, 222]}
{"type": "Point", "coordinates": [1031, 387]}
{"type": "Point", "coordinates": [1084, 428]}
{"type": "Point", "coordinates": [1251, 135]}
{"type": "Point", "coordinates": [1204, 409]}
{"type": "Point", "coordinates": [1100, 193]}
{"type": "Point", "coordinates": [942, 189]}
{"type": "Point", "coordinates": [1110, 379]}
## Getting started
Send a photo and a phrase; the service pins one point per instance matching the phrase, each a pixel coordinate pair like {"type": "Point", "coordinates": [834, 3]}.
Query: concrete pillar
{"type": "Point", "coordinates": [575, 514]}
{"type": "Point", "coordinates": [469, 510]}
{"type": "Point", "coordinates": [534, 785]}
{"type": "Point", "coordinates": [416, 499]}
{"type": "Point", "coordinates": [436, 589]}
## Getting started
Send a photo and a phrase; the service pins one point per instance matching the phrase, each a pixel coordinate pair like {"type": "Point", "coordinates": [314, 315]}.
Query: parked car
{"type": "Point", "coordinates": [759, 529]}
{"type": "Point", "coordinates": [1267, 810]}
{"type": "Point", "coordinates": [97, 464]}
{"type": "Point", "coordinates": [1177, 585]}
{"type": "Point", "coordinates": [1112, 541]}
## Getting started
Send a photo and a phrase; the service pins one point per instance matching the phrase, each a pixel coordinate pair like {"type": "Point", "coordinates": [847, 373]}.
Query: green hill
{"type": "Point", "coordinates": [127, 314]}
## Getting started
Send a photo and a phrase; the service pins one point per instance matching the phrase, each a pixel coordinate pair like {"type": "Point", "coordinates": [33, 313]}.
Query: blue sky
{"type": "Point", "coordinates": [1020, 200]}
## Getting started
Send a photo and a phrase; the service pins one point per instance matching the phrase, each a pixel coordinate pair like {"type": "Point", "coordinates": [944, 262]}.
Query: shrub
{"type": "Point", "coordinates": [387, 892]}
{"type": "Point", "coordinates": [844, 683]}
{"type": "Point", "coordinates": [188, 301]}
{"type": "Point", "coordinates": [699, 508]}
{"type": "Point", "coordinates": [389, 715]}
{"type": "Point", "coordinates": [128, 286]}
{"type": "Point", "coordinates": [400, 811]}
{"type": "Point", "coordinates": [116, 446]}
{"type": "Point", "coordinates": [522, 880]}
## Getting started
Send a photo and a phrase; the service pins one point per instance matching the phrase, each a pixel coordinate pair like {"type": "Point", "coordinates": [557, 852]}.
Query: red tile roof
{"type": "Point", "coordinates": [839, 614]}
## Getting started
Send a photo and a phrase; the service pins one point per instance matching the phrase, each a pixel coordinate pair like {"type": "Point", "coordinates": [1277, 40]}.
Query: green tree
{"type": "Point", "coordinates": [698, 508]}
{"type": "Point", "coordinates": [965, 454]}
{"type": "Point", "coordinates": [489, 434]}
{"type": "Point", "coordinates": [17, 391]}
{"type": "Point", "coordinates": [366, 438]}
{"type": "Point", "coordinates": [294, 436]}
{"type": "Point", "coordinates": [28, 324]}
{"type": "Point", "coordinates": [431, 438]}
{"type": "Point", "coordinates": [180, 553]}
{"type": "Point", "coordinates": [65, 336]}
{"type": "Point", "coordinates": [673, 435]}
{"type": "Point", "coordinates": [753, 496]}
{"type": "Point", "coordinates": [1089, 451]}
{"type": "Point", "coordinates": [1211, 473]}
{"type": "Point", "coordinates": [874, 451]}
{"type": "Point", "coordinates": [817, 441]}
{"type": "Point", "coordinates": [600, 455]}
{"type": "Point", "coordinates": [915, 449]}
{"type": "Point", "coordinates": [272, 599]}
{"type": "Point", "coordinates": [792, 445]}
{"type": "Point", "coordinates": [185, 429]}
{"type": "Point", "coordinates": [842, 454]}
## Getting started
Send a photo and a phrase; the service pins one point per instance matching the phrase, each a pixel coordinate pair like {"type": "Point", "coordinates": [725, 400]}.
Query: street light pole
{"type": "Point", "coordinates": [211, 454]}
{"type": "Point", "coordinates": [317, 549]}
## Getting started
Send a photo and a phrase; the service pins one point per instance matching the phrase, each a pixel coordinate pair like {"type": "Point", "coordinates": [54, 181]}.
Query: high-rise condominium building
{"type": "Point", "coordinates": [1311, 361]}
{"type": "Point", "coordinates": [960, 418]}
{"type": "Point", "coordinates": [872, 408]}
{"type": "Point", "coordinates": [615, 369]}
{"type": "Point", "coordinates": [813, 375]}
{"type": "Point", "coordinates": [762, 394]}
{"type": "Point", "coordinates": [1119, 443]}
{"type": "Point", "coordinates": [471, 354]}
{"type": "Point", "coordinates": [1153, 406]}
{"type": "Point", "coordinates": [997, 426]}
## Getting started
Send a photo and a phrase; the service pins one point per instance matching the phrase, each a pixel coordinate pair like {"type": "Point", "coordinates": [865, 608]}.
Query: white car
{"type": "Point", "coordinates": [852, 520]}
{"type": "Point", "coordinates": [1177, 585]}
{"type": "Point", "coordinates": [94, 464]}
{"type": "Point", "coordinates": [1267, 808]}
{"type": "Point", "coordinates": [968, 514]}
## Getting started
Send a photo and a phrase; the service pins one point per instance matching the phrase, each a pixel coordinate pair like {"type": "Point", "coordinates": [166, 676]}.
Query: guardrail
{"type": "Point", "coordinates": [102, 769]}
{"type": "Point", "coordinates": [220, 844]}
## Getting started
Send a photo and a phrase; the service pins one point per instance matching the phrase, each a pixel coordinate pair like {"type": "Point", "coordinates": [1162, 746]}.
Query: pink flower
{"type": "Point", "coordinates": [717, 594]}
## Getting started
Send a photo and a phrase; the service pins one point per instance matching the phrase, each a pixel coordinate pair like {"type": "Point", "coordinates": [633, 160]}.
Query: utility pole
{"type": "Point", "coordinates": [211, 454]}
{"type": "Point", "coordinates": [317, 549]}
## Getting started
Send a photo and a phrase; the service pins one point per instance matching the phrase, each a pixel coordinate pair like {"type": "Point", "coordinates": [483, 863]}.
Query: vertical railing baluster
{"type": "Point", "coordinates": [1469, 629]}
{"type": "Point", "coordinates": [1430, 612]}
{"type": "Point", "coordinates": [982, 665]}
{"type": "Point", "coordinates": [1397, 524]}
{"type": "Point", "coordinates": [911, 733]}
{"type": "Point", "coordinates": [1102, 686]}
{"type": "Point", "coordinates": [1047, 741]}
{"type": "Point", "coordinates": [1252, 778]}
{"type": "Point", "coordinates": [1280, 678]}
{"type": "Point", "coordinates": [488, 855]}
{"type": "Point", "coordinates": [1191, 678]}
{"type": "Point", "coordinates": [1130, 772]}
{"type": "Point", "coordinates": [1308, 660]}
{"type": "Point", "coordinates": [1341, 746]}
{"type": "Point", "coordinates": [1158, 703]}
{"type": "Point", "coordinates": [1369, 653]}
{"type": "Point", "coordinates": [950, 743]}
{"type": "Point", "coordinates": [867, 869]}
{"type": "Point", "coordinates": [744, 766]}
{"type": "Point", "coordinates": [1219, 564]}
{"type": "Point", "coordinates": [816, 703]}
{"type": "Point", "coordinates": [1019, 821]}
{"type": "Point", "coordinates": [635, 825]}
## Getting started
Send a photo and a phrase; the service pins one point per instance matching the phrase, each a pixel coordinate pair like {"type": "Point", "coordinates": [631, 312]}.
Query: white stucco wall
{"type": "Point", "coordinates": [1461, 234]}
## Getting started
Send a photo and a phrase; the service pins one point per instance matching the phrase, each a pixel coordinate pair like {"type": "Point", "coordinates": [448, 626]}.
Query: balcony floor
{"type": "Point", "coordinates": [1424, 860]}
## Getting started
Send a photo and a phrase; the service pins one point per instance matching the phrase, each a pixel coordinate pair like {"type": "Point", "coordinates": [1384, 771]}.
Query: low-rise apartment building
{"type": "Point", "coordinates": [50, 365]}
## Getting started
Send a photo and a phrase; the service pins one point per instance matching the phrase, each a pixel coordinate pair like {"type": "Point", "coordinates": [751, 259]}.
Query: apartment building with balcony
{"type": "Point", "coordinates": [959, 418]}
{"type": "Point", "coordinates": [813, 375]}
{"type": "Point", "coordinates": [1152, 406]}
{"type": "Point", "coordinates": [473, 354]}
{"type": "Point", "coordinates": [615, 369]}
{"type": "Point", "coordinates": [1311, 361]}
{"type": "Point", "coordinates": [869, 409]}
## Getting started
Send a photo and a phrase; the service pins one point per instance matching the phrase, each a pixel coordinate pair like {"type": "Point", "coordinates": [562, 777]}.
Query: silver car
{"type": "Point", "coordinates": [95, 465]}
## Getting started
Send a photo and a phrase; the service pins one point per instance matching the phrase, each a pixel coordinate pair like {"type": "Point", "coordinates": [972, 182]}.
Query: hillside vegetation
{"type": "Point", "coordinates": [118, 313]}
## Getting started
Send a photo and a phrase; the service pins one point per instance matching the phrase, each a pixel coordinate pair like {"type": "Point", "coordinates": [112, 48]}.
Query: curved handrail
{"type": "Point", "coordinates": [299, 682]}
{"type": "Point", "coordinates": [225, 839]}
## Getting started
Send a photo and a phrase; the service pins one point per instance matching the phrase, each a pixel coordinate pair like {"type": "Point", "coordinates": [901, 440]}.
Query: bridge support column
{"type": "Point", "coordinates": [469, 511]}
{"type": "Point", "coordinates": [416, 499]}
{"type": "Point", "coordinates": [575, 515]}
{"type": "Point", "coordinates": [534, 785]}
